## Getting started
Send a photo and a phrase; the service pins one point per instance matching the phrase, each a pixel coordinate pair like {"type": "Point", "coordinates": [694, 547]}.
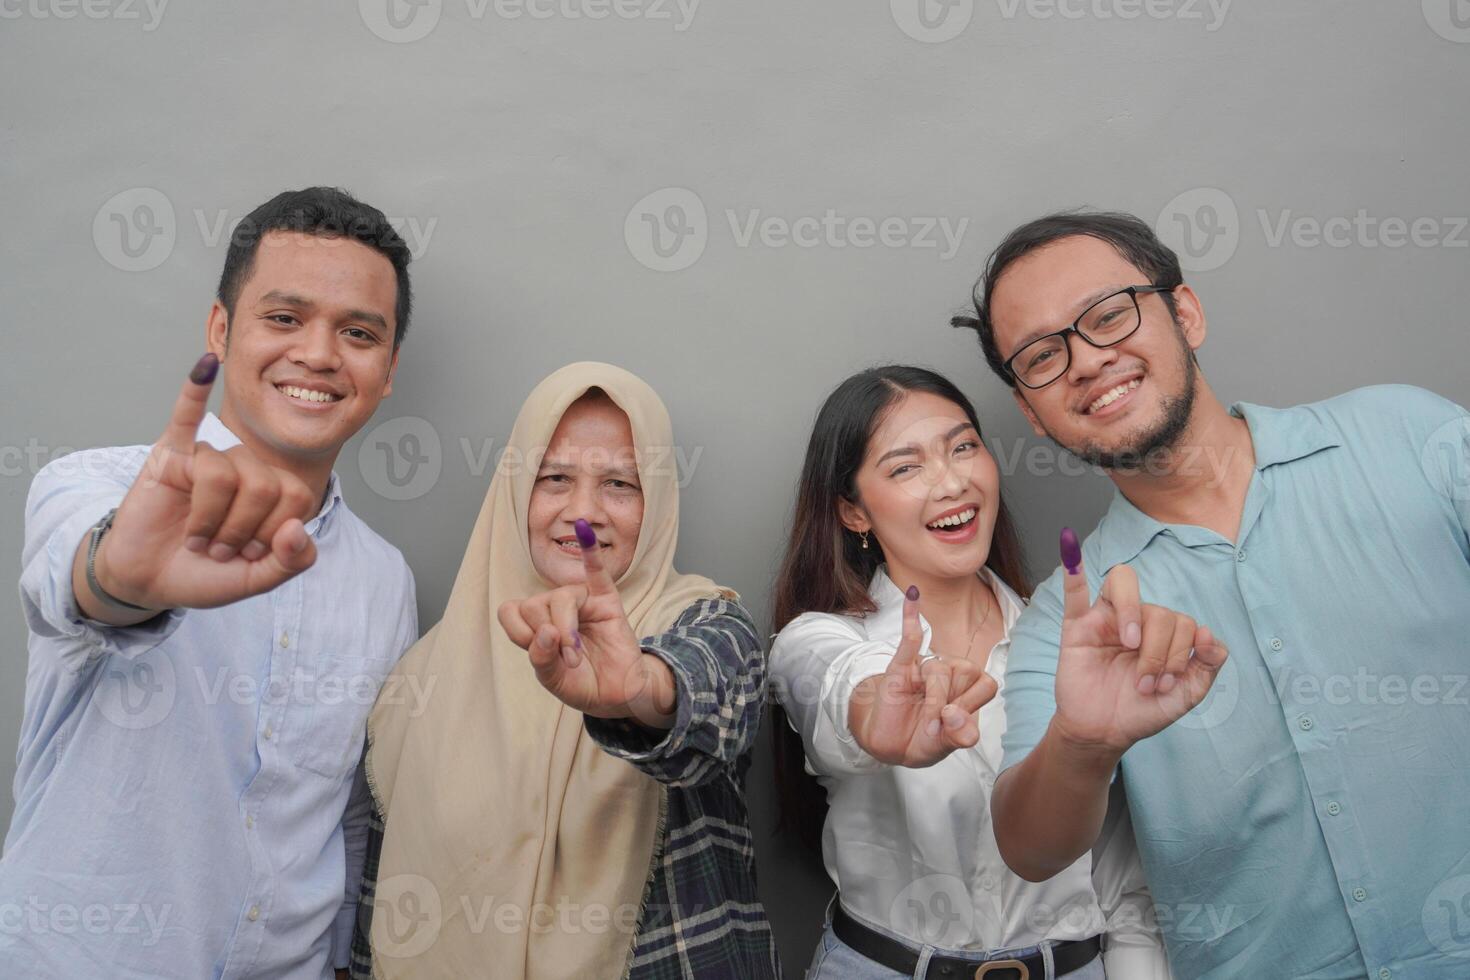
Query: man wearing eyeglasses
{"type": "Point", "coordinates": [1300, 801]}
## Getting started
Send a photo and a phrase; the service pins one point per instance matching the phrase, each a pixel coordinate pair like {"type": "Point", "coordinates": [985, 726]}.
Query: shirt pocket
{"type": "Point", "coordinates": [340, 689]}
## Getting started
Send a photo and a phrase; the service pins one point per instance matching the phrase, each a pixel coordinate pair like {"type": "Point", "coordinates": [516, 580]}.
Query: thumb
{"type": "Point", "coordinates": [1074, 582]}
{"type": "Point", "coordinates": [292, 552]}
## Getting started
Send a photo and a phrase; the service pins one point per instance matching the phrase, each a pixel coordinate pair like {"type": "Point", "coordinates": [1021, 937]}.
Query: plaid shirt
{"type": "Point", "coordinates": [701, 919]}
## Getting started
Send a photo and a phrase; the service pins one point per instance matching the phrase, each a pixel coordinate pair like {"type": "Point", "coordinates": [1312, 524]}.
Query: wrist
{"type": "Point", "coordinates": [1089, 756]}
{"type": "Point", "coordinates": [107, 581]}
{"type": "Point", "coordinates": [656, 702]}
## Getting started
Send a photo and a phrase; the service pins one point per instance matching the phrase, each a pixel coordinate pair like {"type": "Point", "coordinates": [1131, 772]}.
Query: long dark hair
{"type": "Point", "coordinates": [826, 569]}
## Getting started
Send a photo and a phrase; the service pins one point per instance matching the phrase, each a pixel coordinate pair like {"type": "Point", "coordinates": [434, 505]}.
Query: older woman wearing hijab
{"type": "Point", "coordinates": [570, 803]}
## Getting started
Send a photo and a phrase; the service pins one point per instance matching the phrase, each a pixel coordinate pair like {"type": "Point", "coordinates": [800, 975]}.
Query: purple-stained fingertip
{"type": "Point", "coordinates": [586, 537]}
{"type": "Point", "coordinates": [1071, 551]}
{"type": "Point", "coordinates": [204, 370]}
{"type": "Point", "coordinates": [913, 593]}
{"type": "Point", "coordinates": [577, 639]}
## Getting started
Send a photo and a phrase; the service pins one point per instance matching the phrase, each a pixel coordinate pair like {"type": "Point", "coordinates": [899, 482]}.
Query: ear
{"type": "Point", "coordinates": [217, 330]}
{"type": "Point", "coordinates": [852, 516]}
{"type": "Point", "coordinates": [392, 370]}
{"type": "Point", "coordinates": [1191, 317]}
{"type": "Point", "coordinates": [1026, 410]}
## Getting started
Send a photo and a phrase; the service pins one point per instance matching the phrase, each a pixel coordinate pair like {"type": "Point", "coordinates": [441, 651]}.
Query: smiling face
{"type": "Point", "coordinates": [308, 354]}
{"type": "Point", "coordinates": [590, 472]}
{"type": "Point", "coordinates": [1114, 406]}
{"type": "Point", "coordinates": [928, 489]}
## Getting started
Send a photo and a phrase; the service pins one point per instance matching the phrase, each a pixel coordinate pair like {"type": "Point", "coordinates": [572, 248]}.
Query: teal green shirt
{"type": "Point", "coordinates": [1310, 818]}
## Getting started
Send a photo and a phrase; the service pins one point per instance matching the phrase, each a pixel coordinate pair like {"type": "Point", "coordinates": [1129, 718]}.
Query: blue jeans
{"type": "Point", "coordinates": [835, 960]}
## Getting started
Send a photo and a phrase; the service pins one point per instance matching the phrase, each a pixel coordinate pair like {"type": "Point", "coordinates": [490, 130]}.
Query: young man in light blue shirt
{"type": "Point", "coordinates": [1299, 800]}
{"type": "Point", "coordinates": [209, 627]}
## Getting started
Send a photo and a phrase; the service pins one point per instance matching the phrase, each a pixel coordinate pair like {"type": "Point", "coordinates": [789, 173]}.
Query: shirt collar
{"type": "Point", "coordinates": [887, 622]}
{"type": "Point", "coordinates": [1278, 436]}
{"type": "Point", "coordinates": [217, 434]}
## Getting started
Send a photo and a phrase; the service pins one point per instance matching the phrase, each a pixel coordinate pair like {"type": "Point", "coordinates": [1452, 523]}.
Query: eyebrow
{"type": "Point", "coordinates": [301, 302]}
{"type": "Point", "coordinates": [1082, 307]}
{"type": "Point", "coordinates": [912, 450]}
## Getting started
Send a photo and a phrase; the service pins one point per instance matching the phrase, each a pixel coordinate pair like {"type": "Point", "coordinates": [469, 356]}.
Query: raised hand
{"type": "Point", "coordinates": [919, 711]}
{"type": "Point", "coordinates": [201, 528]}
{"type": "Point", "coordinates": [1126, 670]}
{"type": "Point", "coordinates": [583, 649]}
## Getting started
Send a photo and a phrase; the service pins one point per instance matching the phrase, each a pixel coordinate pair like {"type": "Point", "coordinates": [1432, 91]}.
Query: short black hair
{"type": "Point", "coordinates": [1128, 234]}
{"type": "Point", "coordinates": [330, 213]}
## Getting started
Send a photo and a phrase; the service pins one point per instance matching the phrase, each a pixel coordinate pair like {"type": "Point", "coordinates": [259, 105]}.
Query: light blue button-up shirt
{"type": "Point", "coordinates": [1311, 818]}
{"type": "Point", "coordinates": [189, 799]}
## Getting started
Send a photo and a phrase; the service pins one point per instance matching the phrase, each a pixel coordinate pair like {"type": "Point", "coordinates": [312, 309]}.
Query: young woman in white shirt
{"type": "Point", "coordinates": [901, 580]}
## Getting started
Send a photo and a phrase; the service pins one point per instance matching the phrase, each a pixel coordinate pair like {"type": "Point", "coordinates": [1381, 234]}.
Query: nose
{"type": "Point", "coordinates": [316, 348]}
{"type": "Point", "coordinates": [1087, 361]}
{"type": "Point", "coordinates": [952, 479]}
{"type": "Point", "coordinates": [586, 503]}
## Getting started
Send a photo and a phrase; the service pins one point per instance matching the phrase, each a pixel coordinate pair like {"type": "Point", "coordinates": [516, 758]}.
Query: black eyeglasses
{"type": "Point", "coordinates": [1106, 323]}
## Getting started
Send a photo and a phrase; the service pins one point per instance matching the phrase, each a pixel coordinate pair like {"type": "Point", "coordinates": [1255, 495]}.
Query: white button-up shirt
{"type": "Point", "coordinates": [912, 851]}
{"type": "Point", "coordinates": [189, 801]}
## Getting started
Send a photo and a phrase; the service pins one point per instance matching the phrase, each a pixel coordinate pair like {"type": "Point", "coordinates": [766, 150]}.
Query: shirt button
{"type": "Point", "coordinates": [1334, 808]}
{"type": "Point", "coordinates": [269, 733]}
{"type": "Point", "coordinates": [1240, 556]}
{"type": "Point", "coordinates": [1360, 895]}
{"type": "Point", "coordinates": [1276, 643]}
{"type": "Point", "coordinates": [1384, 973]}
{"type": "Point", "coordinates": [1306, 724]}
{"type": "Point", "coordinates": [285, 641]}
{"type": "Point", "coordinates": [987, 882]}
{"type": "Point", "coordinates": [249, 822]}
{"type": "Point", "coordinates": [254, 913]}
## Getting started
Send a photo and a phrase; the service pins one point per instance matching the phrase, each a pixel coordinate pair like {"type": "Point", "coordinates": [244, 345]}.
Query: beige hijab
{"type": "Point", "coordinates": [515, 846]}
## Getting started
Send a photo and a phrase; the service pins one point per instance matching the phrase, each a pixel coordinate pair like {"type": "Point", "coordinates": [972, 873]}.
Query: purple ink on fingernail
{"type": "Point", "coordinates": [913, 593]}
{"type": "Point", "coordinates": [577, 639]}
{"type": "Point", "coordinates": [204, 370]}
{"type": "Point", "coordinates": [1071, 551]}
{"type": "Point", "coordinates": [586, 537]}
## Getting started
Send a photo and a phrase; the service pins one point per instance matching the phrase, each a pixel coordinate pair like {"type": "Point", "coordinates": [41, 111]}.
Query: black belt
{"type": "Point", "coordinates": [1066, 957]}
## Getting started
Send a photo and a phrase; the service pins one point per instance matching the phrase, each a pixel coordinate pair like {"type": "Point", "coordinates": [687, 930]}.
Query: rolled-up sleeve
{"type": "Point", "coordinates": [816, 663]}
{"type": "Point", "coordinates": [719, 668]}
{"type": "Point", "coordinates": [66, 498]}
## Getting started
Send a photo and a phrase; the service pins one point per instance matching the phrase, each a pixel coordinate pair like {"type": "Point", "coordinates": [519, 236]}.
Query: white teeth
{"type": "Point", "coordinates": [1114, 395]}
{"type": "Point", "coordinates": [306, 394]}
{"type": "Point", "coordinates": [963, 517]}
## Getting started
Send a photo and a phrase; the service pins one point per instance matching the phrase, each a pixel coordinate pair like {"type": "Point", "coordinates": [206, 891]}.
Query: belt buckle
{"type": "Point", "coordinates": [985, 968]}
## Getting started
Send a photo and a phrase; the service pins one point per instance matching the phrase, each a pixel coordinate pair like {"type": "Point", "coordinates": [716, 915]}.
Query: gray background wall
{"type": "Point", "coordinates": [521, 151]}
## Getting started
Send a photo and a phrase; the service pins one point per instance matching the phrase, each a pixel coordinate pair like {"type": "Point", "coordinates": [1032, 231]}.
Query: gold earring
{"type": "Point", "coordinates": [864, 536]}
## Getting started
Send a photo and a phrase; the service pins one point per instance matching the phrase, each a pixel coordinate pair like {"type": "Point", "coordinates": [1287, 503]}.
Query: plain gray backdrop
{"type": "Point", "coordinates": [1308, 158]}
